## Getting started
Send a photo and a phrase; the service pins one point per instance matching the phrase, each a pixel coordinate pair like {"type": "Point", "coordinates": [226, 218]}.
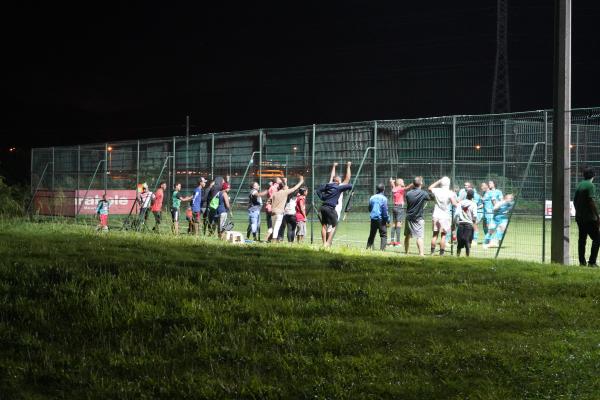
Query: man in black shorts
{"type": "Point", "coordinates": [415, 224]}
{"type": "Point", "coordinates": [330, 194]}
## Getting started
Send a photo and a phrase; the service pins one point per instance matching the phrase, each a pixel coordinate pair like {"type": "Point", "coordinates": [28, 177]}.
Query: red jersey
{"type": "Point", "coordinates": [158, 200]}
{"type": "Point", "coordinates": [398, 194]}
{"type": "Point", "coordinates": [300, 201]}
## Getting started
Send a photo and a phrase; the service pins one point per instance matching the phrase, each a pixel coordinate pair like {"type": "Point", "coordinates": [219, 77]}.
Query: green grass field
{"type": "Point", "coordinates": [122, 315]}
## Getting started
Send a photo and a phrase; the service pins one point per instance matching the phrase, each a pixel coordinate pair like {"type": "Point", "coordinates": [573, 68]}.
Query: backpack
{"type": "Point", "coordinates": [214, 202]}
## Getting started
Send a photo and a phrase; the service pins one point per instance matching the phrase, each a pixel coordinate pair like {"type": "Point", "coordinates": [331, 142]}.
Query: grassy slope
{"type": "Point", "coordinates": [123, 315]}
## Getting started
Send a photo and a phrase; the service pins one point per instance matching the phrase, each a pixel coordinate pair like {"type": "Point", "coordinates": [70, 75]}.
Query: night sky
{"type": "Point", "coordinates": [109, 72]}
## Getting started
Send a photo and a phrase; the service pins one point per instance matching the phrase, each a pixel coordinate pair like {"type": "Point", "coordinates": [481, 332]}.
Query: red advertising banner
{"type": "Point", "coordinates": [121, 201]}
{"type": "Point", "coordinates": [67, 203]}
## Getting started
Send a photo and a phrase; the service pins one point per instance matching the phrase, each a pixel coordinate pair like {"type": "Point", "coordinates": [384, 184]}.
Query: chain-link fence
{"type": "Point", "coordinates": [465, 148]}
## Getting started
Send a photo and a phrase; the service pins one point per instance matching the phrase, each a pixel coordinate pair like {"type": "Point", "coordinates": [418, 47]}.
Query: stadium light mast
{"type": "Point", "coordinates": [500, 89]}
{"type": "Point", "coordinates": [561, 134]}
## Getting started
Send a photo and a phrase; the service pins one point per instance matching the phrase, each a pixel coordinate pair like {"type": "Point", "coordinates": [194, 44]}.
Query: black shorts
{"type": "Point", "coordinates": [328, 216]}
{"type": "Point", "coordinates": [464, 235]}
{"type": "Point", "coordinates": [269, 220]}
{"type": "Point", "coordinates": [175, 214]}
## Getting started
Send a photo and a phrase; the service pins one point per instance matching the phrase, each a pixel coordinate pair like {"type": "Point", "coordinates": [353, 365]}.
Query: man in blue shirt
{"type": "Point", "coordinates": [491, 196]}
{"type": "Point", "coordinates": [197, 205]}
{"type": "Point", "coordinates": [330, 194]}
{"type": "Point", "coordinates": [378, 210]}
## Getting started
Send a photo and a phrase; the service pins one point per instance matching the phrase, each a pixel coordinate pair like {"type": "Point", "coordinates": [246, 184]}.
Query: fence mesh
{"type": "Point", "coordinates": [465, 148]}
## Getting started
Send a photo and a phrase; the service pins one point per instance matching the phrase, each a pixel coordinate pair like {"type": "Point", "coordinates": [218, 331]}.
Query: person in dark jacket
{"type": "Point", "coordinates": [378, 210]}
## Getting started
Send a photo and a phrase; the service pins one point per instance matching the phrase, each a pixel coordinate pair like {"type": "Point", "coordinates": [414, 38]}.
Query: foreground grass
{"type": "Point", "coordinates": [141, 316]}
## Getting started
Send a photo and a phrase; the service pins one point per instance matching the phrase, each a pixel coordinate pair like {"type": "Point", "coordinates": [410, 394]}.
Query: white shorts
{"type": "Point", "coordinates": [441, 224]}
{"type": "Point", "coordinates": [301, 228]}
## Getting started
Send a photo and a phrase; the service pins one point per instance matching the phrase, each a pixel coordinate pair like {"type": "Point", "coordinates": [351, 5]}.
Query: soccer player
{"type": "Point", "coordinates": [330, 194]}
{"type": "Point", "coordinates": [415, 224]}
{"type": "Point", "coordinates": [176, 200]}
{"type": "Point", "coordinates": [254, 206]}
{"type": "Point", "coordinates": [340, 203]}
{"type": "Point", "coordinates": [491, 196]}
{"type": "Point", "coordinates": [399, 210]}
{"type": "Point", "coordinates": [102, 211]}
{"type": "Point", "coordinates": [197, 206]}
{"type": "Point", "coordinates": [301, 214]}
{"type": "Point", "coordinates": [462, 195]}
{"type": "Point", "coordinates": [465, 218]}
{"type": "Point", "coordinates": [586, 215]}
{"type": "Point", "coordinates": [501, 211]}
{"type": "Point", "coordinates": [378, 211]}
{"type": "Point", "coordinates": [157, 204]}
{"type": "Point", "coordinates": [279, 201]}
{"type": "Point", "coordinates": [444, 199]}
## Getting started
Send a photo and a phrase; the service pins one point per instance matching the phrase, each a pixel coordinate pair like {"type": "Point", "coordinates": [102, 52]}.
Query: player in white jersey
{"type": "Point", "coordinates": [442, 221]}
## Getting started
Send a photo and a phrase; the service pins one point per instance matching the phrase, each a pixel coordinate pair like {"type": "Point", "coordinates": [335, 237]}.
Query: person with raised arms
{"type": "Point", "coordinates": [330, 194]}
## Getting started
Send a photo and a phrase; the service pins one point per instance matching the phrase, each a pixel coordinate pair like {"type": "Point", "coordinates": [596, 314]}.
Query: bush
{"type": "Point", "coordinates": [12, 199]}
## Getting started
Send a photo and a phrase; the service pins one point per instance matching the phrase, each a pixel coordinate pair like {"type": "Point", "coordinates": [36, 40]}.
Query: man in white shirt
{"type": "Point", "coordinates": [442, 221]}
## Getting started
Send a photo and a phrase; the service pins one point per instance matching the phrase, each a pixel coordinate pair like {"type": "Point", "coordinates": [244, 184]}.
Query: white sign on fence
{"type": "Point", "coordinates": [548, 209]}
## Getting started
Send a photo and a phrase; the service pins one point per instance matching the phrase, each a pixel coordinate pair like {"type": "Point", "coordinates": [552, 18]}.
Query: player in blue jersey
{"type": "Point", "coordinates": [462, 195]}
{"type": "Point", "coordinates": [491, 196]}
{"type": "Point", "coordinates": [501, 212]}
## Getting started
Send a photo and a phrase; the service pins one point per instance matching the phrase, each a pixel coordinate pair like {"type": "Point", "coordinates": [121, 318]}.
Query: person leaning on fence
{"type": "Point", "coordinates": [102, 212]}
{"type": "Point", "coordinates": [340, 202]}
{"type": "Point", "coordinates": [223, 209]}
{"type": "Point", "coordinates": [144, 200]}
{"type": "Point", "coordinates": [176, 200]}
{"type": "Point", "coordinates": [330, 194]}
{"type": "Point", "coordinates": [157, 203]}
{"type": "Point", "coordinates": [278, 204]}
{"type": "Point", "coordinates": [197, 206]}
{"type": "Point", "coordinates": [254, 207]}
{"type": "Point", "coordinates": [415, 224]}
{"type": "Point", "coordinates": [442, 220]}
{"type": "Point", "coordinates": [399, 210]}
{"type": "Point", "coordinates": [465, 218]}
{"type": "Point", "coordinates": [587, 218]}
{"type": "Point", "coordinates": [378, 211]}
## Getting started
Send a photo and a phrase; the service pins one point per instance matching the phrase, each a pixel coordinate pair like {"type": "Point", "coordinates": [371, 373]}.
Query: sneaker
{"type": "Point", "coordinates": [594, 265]}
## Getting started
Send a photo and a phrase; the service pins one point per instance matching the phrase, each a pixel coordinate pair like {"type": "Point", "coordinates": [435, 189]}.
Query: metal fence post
{"type": "Point", "coordinates": [374, 156]}
{"type": "Point", "coordinates": [52, 181]}
{"type": "Point", "coordinates": [260, 161]}
{"type": "Point", "coordinates": [545, 190]}
{"type": "Point", "coordinates": [212, 156]}
{"type": "Point", "coordinates": [187, 149]}
{"type": "Point", "coordinates": [174, 165]}
{"type": "Point", "coordinates": [312, 192]}
{"type": "Point", "coordinates": [504, 152]}
{"type": "Point", "coordinates": [105, 167]}
{"type": "Point", "coordinates": [137, 165]}
{"type": "Point", "coordinates": [454, 149]}
{"type": "Point", "coordinates": [78, 178]}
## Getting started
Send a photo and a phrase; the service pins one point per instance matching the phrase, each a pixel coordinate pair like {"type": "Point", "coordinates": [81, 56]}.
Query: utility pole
{"type": "Point", "coordinates": [561, 134]}
{"type": "Point", "coordinates": [500, 89]}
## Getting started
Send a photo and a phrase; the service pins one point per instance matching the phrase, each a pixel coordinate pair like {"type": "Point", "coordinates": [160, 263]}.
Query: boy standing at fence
{"type": "Point", "coordinates": [378, 211]}
{"type": "Point", "coordinates": [465, 218]}
{"type": "Point", "coordinates": [330, 194]}
{"type": "Point", "coordinates": [301, 214]}
{"type": "Point", "coordinates": [176, 200]}
{"type": "Point", "coordinates": [102, 212]}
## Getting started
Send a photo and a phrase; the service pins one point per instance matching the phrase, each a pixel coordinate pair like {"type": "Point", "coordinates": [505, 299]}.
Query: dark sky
{"type": "Point", "coordinates": [106, 72]}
